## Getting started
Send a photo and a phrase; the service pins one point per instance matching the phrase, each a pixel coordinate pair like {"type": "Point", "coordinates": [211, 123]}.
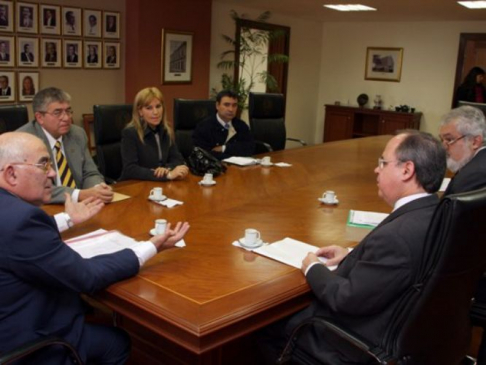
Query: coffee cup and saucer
{"type": "Point", "coordinates": [156, 195]}
{"type": "Point", "coordinates": [266, 161]}
{"type": "Point", "coordinates": [207, 180]}
{"type": "Point", "coordinates": [251, 240]}
{"type": "Point", "coordinates": [329, 197]}
{"type": "Point", "coordinates": [160, 227]}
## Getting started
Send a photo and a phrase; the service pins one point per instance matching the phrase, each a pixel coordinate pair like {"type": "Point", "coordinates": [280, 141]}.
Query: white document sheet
{"type": "Point", "coordinates": [363, 218]}
{"type": "Point", "coordinates": [241, 161]}
{"type": "Point", "coordinates": [100, 242]}
{"type": "Point", "coordinates": [289, 251]}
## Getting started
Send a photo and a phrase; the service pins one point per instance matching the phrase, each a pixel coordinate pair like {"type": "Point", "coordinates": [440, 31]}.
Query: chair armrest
{"type": "Point", "coordinates": [33, 346]}
{"type": "Point", "coordinates": [377, 354]}
{"type": "Point", "coordinates": [262, 147]}
{"type": "Point", "coordinates": [303, 143]}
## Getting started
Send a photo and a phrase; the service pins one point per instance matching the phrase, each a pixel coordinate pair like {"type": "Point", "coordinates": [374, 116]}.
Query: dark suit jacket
{"type": "Point", "coordinates": [83, 168]}
{"type": "Point", "coordinates": [27, 57]}
{"type": "Point", "coordinates": [365, 289]}
{"type": "Point", "coordinates": [6, 57]}
{"type": "Point", "coordinates": [140, 158]}
{"type": "Point", "coordinates": [471, 177]}
{"type": "Point", "coordinates": [8, 92]}
{"type": "Point", "coordinates": [209, 133]}
{"type": "Point", "coordinates": [73, 58]}
{"type": "Point", "coordinates": [92, 59]}
{"type": "Point", "coordinates": [41, 278]}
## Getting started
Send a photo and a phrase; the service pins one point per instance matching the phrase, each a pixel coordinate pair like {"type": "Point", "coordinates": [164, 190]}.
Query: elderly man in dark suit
{"type": "Point", "coordinates": [67, 145]}
{"type": "Point", "coordinates": [41, 277]}
{"type": "Point", "coordinates": [364, 291]}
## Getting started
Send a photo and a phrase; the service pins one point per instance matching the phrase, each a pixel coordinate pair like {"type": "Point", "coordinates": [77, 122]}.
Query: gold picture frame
{"type": "Point", "coordinates": [384, 64]}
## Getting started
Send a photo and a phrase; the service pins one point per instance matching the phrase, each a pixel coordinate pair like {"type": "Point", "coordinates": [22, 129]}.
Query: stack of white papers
{"type": "Point", "coordinates": [289, 251]}
{"type": "Point", "coordinates": [241, 161]}
{"type": "Point", "coordinates": [169, 203]}
{"type": "Point", "coordinates": [359, 218]}
{"type": "Point", "coordinates": [100, 242]}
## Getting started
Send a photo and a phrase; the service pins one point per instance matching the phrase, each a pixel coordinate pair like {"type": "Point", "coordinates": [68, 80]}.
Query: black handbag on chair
{"type": "Point", "coordinates": [202, 162]}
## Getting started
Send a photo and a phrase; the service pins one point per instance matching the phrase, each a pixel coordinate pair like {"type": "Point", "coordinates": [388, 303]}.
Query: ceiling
{"type": "Point", "coordinates": [388, 10]}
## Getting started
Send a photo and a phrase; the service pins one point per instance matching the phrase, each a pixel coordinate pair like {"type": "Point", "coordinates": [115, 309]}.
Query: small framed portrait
{"type": "Point", "coordinates": [7, 51]}
{"type": "Point", "coordinates": [7, 86]}
{"type": "Point", "coordinates": [111, 24]}
{"type": "Point", "coordinates": [72, 53]}
{"type": "Point", "coordinates": [51, 52]}
{"type": "Point", "coordinates": [27, 18]}
{"type": "Point", "coordinates": [92, 22]}
{"type": "Point", "coordinates": [6, 16]}
{"type": "Point", "coordinates": [28, 85]}
{"type": "Point", "coordinates": [71, 21]}
{"type": "Point", "coordinates": [27, 52]}
{"type": "Point", "coordinates": [93, 54]}
{"type": "Point", "coordinates": [111, 54]}
{"type": "Point", "coordinates": [50, 19]}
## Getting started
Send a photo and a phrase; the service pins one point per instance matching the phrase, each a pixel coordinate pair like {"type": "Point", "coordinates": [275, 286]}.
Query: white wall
{"type": "Point", "coordinates": [429, 65]}
{"type": "Point", "coordinates": [304, 65]}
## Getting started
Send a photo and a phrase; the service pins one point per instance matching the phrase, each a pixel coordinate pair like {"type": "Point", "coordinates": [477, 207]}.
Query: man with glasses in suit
{"type": "Point", "coordinates": [67, 144]}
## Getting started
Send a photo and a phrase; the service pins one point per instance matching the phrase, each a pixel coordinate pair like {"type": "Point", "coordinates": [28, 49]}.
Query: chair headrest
{"type": "Point", "coordinates": [266, 105]}
{"type": "Point", "coordinates": [109, 121]}
{"type": "Point", "coordinates": [187, 113]}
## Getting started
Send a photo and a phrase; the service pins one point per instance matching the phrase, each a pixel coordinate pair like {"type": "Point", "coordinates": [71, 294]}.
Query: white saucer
{"type": "Point", "coordinates": [153, 232]}
{"type": "Point", "coordinates": [202, 182]}
{"type": "Point", "coordinates": [158, 200]}
{"type": "Point", "coordinates": [267, 164]}
{"type": "Point", "coordinates": [257, 244]}
{"type": "Point", "coordinates": [328, 202]}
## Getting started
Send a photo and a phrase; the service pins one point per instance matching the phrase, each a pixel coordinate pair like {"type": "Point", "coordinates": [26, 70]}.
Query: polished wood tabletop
{"type": "Point", "coordinates": [210, 292]}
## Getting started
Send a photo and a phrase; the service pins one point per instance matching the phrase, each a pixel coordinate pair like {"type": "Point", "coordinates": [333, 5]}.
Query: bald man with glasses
{"type": "Point", "coordinates": [67, 143]}
{"type": "Point", "coordinates": [462, 132]}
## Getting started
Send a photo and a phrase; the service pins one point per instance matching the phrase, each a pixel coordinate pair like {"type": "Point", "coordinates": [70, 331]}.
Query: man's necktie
{"type": "Point", "coordinates": [63, 168]}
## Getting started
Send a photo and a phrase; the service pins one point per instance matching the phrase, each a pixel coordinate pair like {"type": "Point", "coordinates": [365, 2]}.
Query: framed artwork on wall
{"type": "Point", "coordinates": [383, 64]}
{"type": "Point", "coordinates": [111, 55]}
{"type": "Point", "coordinates": [7, 51]}
{"type": "Point", "coordinates": [6, 16]}
{"type": "Point", "coordinates": [71, 21]}
{"type": "Point", "coordinates": [50, 19]}
{"type": "Point", "coordinates": [26, 14]}
{"type": "Point", "coordinates": [7, 86]}
{"type": "Point", "coordinates": [28, 85]}
{"type": "Point", "coordinates": [92, 22]}
{"type": "Point", "coordinates": [51, 52]}
{"type": "Point", "coordinates": [72, 53]}
{"type": "Point", "coordinates": [27, 52]}
{"type": "Point", "coordinates": [93, 54]}
{"type": "Point", "coordinates": [111, 24]}
{"type": "Point", "coordinates": [176, 54]}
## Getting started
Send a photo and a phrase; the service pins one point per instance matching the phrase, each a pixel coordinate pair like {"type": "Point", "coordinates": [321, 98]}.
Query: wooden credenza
{"type": "Point", "coordinates": [345, 122]}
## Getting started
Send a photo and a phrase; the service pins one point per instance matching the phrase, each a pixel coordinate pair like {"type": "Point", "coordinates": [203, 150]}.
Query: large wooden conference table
{"type": "Point", "coordinates": [187, 304]}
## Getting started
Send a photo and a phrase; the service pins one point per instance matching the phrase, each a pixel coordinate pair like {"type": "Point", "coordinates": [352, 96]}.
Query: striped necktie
{"type": "Point", "coordinates": [63, 168]}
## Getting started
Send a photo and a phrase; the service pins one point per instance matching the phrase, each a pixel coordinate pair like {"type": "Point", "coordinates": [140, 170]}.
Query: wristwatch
{"type": "Point", "coordinates": [69, 221]}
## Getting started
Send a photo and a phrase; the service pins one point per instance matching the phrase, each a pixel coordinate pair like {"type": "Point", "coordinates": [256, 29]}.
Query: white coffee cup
{"type": "Point", "coordinates": [160, 226]}
{"type": "Point", "coordinates": [156, 193]}
{"type": "Point", "coordinates": [208, 178]}
{"type": "Point", "coordinates": [252, 236]}
{"type": "Point", "coordinates": [329, 196]}
{"type": "Point", "coordinates": [267, 160]}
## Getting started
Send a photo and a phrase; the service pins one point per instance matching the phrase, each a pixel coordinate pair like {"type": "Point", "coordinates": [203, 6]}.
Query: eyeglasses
{"type": "Point", "coordinates": [58, 113]}
{"type": "Point", "coordinates": [382, 163]}
{"type": "Point", "coordinates": [45, 166]}
{"type": "Point", "coordinates": [451, 141]}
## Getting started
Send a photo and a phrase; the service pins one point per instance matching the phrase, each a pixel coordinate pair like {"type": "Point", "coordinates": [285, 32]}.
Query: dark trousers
{"type": "Point", "coordinates": [105, 345]}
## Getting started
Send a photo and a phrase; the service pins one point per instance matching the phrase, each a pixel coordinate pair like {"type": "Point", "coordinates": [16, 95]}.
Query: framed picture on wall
{"type": "Point", "coordinates": [383, 64]}
{"type": "Point", "coordinates": [7, 51]}
{"type": "Point", "coordinates": [27, 52]}
{"type": "Point", "coordinates": [92, 23]}
{"type": "Point", "coordinates": [51, 52]}
{"type": "Point", "coordinates": [71, 21]}
{"type": "Point", "coordinates": [72, 53]}
{"type": "Point", "coordinates": [111, 55]}
{"type": "Point", "coordinates": [6, 16]}
{"type": "Point", "coordinates": [93, 54]}
{"type": "Point", "coordinates": [50, 19]}
{"type": "Point", "coordinates": [176, 57]}
{"type": "Point", "coordinates": [7, 86]}
{"type": "Point", "coordinates": [111, 24]}
{"type": "Point", "coordinates": [26, 17]}
{"type": "Point", "coordinates": [28, 85]}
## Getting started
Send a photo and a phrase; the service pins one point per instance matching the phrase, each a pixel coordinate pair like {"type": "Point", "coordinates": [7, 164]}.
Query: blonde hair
{"type": "Point", "coordinates": [143, 98]}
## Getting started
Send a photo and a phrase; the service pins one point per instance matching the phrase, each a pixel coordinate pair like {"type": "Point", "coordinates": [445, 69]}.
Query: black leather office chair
{"type": "Point", "coordinates": [31, 348]}
{"type": "Point", "coordinates": [187, 113]}
{"type": "Point", "coordinates": [12, 117]}
{"type": "Point", "coordinates": [267, 121]}
{"type": "Point", "coordinates": [109, 121]}
{"type": "Point", "coordinates": [432, 326]}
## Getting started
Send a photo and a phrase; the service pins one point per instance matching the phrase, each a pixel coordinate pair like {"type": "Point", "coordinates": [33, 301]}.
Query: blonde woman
{"type": "Point", "coordinates": [148, 148]}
